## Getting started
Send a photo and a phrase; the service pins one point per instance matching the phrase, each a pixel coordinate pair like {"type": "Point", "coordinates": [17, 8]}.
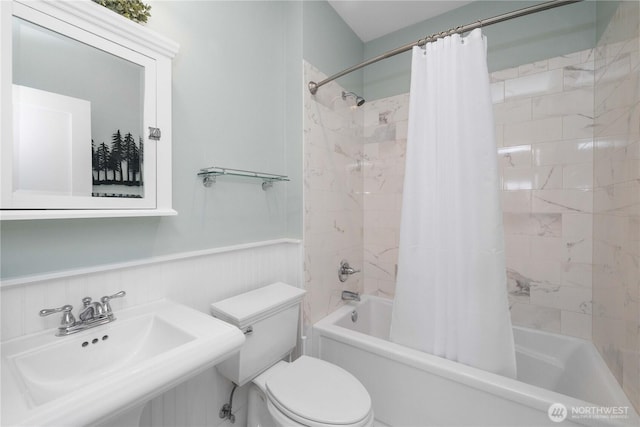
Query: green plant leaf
{"type": "Point", "coordinates": [134, 10]}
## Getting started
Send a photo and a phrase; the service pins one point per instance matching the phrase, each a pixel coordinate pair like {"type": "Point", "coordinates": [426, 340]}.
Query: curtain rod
{"type": "Point", "coordinates": [313, 86]}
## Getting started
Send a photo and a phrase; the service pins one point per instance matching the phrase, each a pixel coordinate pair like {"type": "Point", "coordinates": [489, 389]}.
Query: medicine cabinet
{"type": "Point", "coordinates": [85, 113]}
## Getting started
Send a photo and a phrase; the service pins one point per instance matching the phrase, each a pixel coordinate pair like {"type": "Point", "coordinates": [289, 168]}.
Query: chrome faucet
{"type": "Point", "coordinates": [93, 314]}
{"type": "Point", "coordinates": [345, 270]}
{"type": "Point", "coordinates": [350, 296]}
{"type": "Point", "coordinates": [91, 311]}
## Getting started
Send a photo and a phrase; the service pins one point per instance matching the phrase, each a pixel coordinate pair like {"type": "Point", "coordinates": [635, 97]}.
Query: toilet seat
{"type": "Point", "coordinates": [316, 393]}
{"type": "Point", "coordinates": [283, 420]}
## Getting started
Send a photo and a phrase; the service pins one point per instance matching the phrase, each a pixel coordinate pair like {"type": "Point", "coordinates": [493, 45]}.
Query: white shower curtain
{"type": "Point", "coordinates": [451, 296]}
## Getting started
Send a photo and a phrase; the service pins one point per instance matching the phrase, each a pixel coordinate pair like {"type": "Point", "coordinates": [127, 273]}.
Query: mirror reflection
{"type": "Point", "coordinates": [77, 117]}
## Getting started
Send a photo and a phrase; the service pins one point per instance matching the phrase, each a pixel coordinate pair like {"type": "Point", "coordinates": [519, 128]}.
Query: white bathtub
{"type": "Point", "coordinates": [412, 388]}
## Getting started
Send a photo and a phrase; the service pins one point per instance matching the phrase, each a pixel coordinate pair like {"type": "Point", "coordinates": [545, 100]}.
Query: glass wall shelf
{"type": "Point", "coordinates": [209, 176]}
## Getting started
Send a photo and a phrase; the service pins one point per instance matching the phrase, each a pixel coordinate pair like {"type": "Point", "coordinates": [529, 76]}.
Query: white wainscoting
{"type": "Point", "coordinates": [195, 279]}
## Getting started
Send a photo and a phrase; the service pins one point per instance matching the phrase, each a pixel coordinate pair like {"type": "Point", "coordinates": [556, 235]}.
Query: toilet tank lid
{"type": "Point", "coordinates": [250, 307]}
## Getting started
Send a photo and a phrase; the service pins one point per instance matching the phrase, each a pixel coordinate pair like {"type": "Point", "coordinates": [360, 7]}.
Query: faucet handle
{"type": "Point", "coordinates": [107, 298]}
{"type": "Point", "coordinates": [345, 270]}
{"type": "Point", "coordinates": [67, 316]}
{"type": "Point", "coordinates": [105, 302]}
{"type": "Point", "coordinates": [48, 311]}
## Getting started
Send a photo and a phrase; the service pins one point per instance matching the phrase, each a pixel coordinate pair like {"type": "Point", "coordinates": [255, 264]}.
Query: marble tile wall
{"type": "Point", "coordinates": [333, 208]}
{"type": "Point", "coordinates": [385, 142]}
{"type": "Point", "coordinates": [616, 219]}
{"type": "Point", "coordinates": [544, 124]}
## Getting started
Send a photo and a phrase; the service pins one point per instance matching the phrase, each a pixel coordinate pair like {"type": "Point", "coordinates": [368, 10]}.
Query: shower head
{"type": "Point", "coordinates": [359, 99]}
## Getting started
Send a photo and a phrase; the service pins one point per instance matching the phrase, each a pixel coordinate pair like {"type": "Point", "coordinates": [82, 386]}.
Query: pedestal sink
{"type": "Point", "coordinates": [105, 375]}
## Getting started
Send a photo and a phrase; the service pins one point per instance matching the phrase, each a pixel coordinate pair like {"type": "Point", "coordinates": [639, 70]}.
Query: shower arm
{"type": "Point", "coordinates": [313, 86]}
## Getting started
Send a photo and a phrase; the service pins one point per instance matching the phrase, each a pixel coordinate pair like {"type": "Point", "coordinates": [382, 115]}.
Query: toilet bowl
{"type": "Point", "coordinates": [306, 392]}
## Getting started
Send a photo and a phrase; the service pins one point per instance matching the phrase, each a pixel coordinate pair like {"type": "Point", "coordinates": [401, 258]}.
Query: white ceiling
{"type": "Point", "coordinates": [371, 19]}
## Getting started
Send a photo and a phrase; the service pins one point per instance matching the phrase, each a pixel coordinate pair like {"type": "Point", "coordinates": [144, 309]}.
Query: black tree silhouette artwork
{"type": "Point", "coordinates": [118, 167]}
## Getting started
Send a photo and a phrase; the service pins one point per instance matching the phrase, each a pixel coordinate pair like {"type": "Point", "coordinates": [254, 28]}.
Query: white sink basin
{"type": "Point", "coordinates": [98, 373]}
{"type": "Point", "coordinates": [53, 370]}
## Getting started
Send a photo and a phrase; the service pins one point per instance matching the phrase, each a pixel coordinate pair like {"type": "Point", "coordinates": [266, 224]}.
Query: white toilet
{"type": "Point", "coordinates": [307, 392]}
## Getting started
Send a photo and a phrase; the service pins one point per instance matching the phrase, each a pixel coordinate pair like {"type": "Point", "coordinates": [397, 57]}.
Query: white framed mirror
{"type": "Point", "coordinates": [84, 94]}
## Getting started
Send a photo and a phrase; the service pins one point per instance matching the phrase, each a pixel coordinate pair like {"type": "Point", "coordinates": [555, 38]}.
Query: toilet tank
{"type": "Point", "coordinates": [268, 317]}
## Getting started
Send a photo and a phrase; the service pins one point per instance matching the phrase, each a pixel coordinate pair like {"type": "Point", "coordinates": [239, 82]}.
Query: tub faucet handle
{"type": "Point", "coordinates": [345, 270]}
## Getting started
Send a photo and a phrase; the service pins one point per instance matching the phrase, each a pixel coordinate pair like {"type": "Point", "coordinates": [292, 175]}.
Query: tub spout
{"type": "Point", "coordinates": [350, 296]}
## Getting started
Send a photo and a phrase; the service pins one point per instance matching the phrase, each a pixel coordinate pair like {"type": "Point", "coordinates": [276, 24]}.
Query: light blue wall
{"type": "Point", "coordinates": [604, 12]}
{"type": "Point", "coordinates": [330, 45]}
{"type": "Point", "coordinates": [606, 9]}
{"type": "Point", "coordinates": [519, 41]}
{"type": "Point", "coordinates": [293, 117]}
{"type": "Point", "coordinates": [237, 89]}
{"type": "Point", "coordinates": [236, 103]}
